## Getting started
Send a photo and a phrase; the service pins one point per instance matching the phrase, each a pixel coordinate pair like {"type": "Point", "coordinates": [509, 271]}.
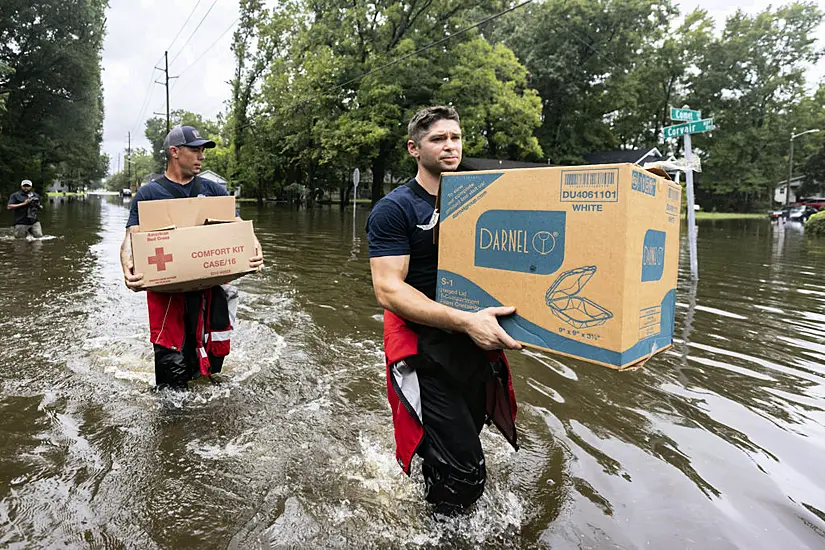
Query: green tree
{"type": "Point", "coordinates": [661, 78]}
{"type": "Point", "coordinates": [335, 105]}
{"type": "Point", "coordinates": [581, 56]}
{"type": "Point", "coordinates": [142, 165]}
{"type": "Point", "coordinates": [498, 111]}
{"type": "Point", "coordinates": [752, 79]}
{"type": "Point", "coordinates": [262, 35]}
{"type": "Point", "coordinates": [52, 107]}
{"type": "Point", "coordinates": [809, 152]}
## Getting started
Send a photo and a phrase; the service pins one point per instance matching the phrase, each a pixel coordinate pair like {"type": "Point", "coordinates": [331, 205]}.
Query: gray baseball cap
{"type": "Point", "coordinates": [188, 136]}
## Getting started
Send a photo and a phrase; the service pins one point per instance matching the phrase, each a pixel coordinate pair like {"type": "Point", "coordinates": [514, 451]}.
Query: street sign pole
{"type": "Point", "coordinates": [356, 178]}
{"type": "Point", "coordinates": [691, 211]}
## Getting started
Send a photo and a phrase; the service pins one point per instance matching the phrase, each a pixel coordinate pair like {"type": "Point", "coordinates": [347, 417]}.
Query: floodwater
{"type": "Point", "coordinates": [717, 443]}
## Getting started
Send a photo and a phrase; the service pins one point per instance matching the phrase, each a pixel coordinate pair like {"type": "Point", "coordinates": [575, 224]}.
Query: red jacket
{"type": "Point", "coordinates": [167, 323]}
{"type": "Point", "coordinates": [401, 342]}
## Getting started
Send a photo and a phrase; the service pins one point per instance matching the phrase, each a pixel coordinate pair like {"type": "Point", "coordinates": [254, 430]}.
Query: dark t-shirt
{"type": "Point", "coordinates": [402, 224]}
{"type": "Point", "coordinates": [26, 215]}
{"type": "Point", "coordinates": [154, 191]}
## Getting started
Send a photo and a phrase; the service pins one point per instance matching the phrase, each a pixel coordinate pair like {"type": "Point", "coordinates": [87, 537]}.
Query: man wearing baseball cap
{"type": "Point", "coordinates": [176, 364]}
{"type": "Point", "coordinates": [25, 204]}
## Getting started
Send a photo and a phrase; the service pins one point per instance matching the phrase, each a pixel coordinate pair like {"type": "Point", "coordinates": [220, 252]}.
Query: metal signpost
{"type": "Point", "coordinates": [694, 124]}
{"type": "Point", "coordinates": [356, 178]}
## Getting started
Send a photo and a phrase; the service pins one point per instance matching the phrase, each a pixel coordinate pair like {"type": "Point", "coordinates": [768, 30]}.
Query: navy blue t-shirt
{"type": "Point", "coordinates": [154, 191]}
{"type": "Point", "coordinates": [27, 215]}
{"type": "Point", "coordinates": [402, 224]}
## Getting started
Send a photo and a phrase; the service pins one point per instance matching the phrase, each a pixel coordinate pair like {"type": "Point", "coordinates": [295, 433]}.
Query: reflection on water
{"type": "Point", "coordinates": [716, 443]}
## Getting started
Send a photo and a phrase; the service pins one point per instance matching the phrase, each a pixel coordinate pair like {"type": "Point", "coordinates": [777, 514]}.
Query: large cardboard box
{"type": "Point", "coordinates": [184, 212]}
{"type": "Point", "coordinates": [587, 255]}
{"type": "Point", "coordinates": [191, 244]}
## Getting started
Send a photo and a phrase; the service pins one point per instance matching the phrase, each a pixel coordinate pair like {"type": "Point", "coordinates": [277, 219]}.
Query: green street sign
{"type": "Point", "coordinates": [685, 115]}
{"type": "Point", "coordinates": [697, 127]}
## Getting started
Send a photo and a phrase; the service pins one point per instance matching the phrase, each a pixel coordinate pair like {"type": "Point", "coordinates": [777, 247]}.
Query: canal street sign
{"type": "Point", "coordinates": [685, 115]}
{"type": "Point", "coordinates": [697, 127]}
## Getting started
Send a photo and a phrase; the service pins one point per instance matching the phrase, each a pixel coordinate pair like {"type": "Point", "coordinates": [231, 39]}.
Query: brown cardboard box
{"type": "Point", "coordinates": [588, 255]}
{"type": "Point", "coordinates": [155, 215]}
{"type": "Point", "coordinates": [176, 252]}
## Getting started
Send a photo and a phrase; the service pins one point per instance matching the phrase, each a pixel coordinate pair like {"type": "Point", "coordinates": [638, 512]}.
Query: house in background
{"type": "Point", "coordinates": [57, 188]}
{"type": "Point", "coordinates": [796, 183]}
{"type": "Point", "coordinates": [215, 177]}
{"type": "Point", "coordinates": [633, 156]}
{"type": "Point", "coordinates": [781, 187]}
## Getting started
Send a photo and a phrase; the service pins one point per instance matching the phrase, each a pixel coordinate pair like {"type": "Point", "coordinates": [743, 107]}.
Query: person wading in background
{"type": "Point", "coordinates": [25, 204]}
{"type": "Point", "coordinates": [188, 342]}
{"type": "Point", "coordinates": [446, 375]}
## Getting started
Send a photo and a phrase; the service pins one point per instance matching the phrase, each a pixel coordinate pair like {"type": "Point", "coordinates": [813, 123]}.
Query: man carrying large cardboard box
{"type": "Point", "coordinates": [446, 373]}
{"type": "Point", "coordinates": [178, 322]}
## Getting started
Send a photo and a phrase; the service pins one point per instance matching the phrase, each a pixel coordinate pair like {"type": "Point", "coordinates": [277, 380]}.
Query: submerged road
{"type": "Point", "coordinates": [716, 443]}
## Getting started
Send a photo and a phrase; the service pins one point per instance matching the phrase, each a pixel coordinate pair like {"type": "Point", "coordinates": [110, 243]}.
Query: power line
{"type": "Point", "coordinates": [402, 58]}
{"type": "Point", "coordinates": [147, 96]}
{"type": "Point", "coordinates": [180, 30]}
{"type": "Point", "coordinates": [166, 84]}
{"type": "Point", "coordinates": [196, 30]}
{"type": "Point", "coordinates": [195, 62]}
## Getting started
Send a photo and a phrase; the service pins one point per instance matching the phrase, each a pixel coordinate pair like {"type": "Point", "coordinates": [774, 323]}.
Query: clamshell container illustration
{"type": "Point", "coordinates": [564, 301]}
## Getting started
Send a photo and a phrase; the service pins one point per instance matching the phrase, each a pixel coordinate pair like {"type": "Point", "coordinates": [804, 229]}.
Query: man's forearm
{"type": "Point", "coordinates": [126, 251]}
{"type": "Point", "coordinates": [412, 305]}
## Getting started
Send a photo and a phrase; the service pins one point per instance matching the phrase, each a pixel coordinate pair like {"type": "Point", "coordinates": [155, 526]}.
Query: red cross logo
{"type": "Point", "coordinates": [160, 259]}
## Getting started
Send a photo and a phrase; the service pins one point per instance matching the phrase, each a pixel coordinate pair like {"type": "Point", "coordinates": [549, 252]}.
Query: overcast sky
{"type": "Point", "coordinates": [139, 31]}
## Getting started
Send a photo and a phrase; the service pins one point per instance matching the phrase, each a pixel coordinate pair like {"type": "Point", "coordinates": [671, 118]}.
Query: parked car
{"type": "Point", "coordinates": [125, 192]}
{"type": "Point", "coordinates": [779, 213]}
{"type": "Point", "coordinates": [801, 213]}
{"type": "Point", "coordinates": [816, 202]}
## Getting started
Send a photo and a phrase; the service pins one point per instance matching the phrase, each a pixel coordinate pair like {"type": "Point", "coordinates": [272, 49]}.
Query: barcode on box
{"type": "Point", "coordinates": [596, 179]}
{"type": "Point", "coordinates": [590, 185]}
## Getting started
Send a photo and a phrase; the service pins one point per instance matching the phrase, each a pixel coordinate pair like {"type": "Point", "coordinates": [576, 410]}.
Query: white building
{"type": "Point", "coordinates": [780, 189]}
{"type": "Point", "coordinates": [213, 176]}
{"type": "Point", "coordinates": [56, 188]}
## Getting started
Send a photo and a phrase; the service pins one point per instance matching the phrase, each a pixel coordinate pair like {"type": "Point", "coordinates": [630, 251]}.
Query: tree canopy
{"type": "Point", "coordinates": [324, 86]}
{"type": "Point", "coordinates": [51, 105]}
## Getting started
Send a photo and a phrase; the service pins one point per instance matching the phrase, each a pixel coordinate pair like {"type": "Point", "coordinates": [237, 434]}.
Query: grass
{"type": "Point", "coordinates": [727, 216]}
{"type": "Point", "coordinates": [66, 194]}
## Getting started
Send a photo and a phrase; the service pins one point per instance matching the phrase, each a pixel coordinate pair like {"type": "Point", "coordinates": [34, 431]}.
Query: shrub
{"type": "Point", "coordinates": [816, 225]}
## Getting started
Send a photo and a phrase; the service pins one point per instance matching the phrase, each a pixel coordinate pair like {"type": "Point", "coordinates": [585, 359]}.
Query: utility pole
{"type": "Point", "coordinates": [790, 162]}
{"type": "Point", "coordinates": [166, 60]}
{"type": "Point", "coordinates": [129, 160]}
{"type": "Point", "coordinates": [790, 172]}
{"type": "Point", "coordinates": [166, 83]}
